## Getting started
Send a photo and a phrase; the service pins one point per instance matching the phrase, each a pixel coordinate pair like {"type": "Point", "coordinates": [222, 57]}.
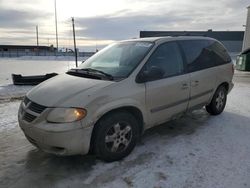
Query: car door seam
{"type": "Point", "coordinates": [160, 108]}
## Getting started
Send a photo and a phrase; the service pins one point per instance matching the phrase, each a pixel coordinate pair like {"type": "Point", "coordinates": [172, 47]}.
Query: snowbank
{"type": "Point", "coordinates": [9, 92]}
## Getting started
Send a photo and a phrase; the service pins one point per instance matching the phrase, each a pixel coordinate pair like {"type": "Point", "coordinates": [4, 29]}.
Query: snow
{"type": "Point", "coordinates": [28, 66]}
{"type": "Point", "coordinates": [13, 92]}
{"type": "Point", "coordinates": [196, 151]}
{"type": "Point", "coordinates": [8, 115]}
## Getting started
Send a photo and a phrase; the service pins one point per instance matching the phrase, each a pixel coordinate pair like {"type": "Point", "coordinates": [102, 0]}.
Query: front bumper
{"type": "Point", "coordinates": [57, 138]}
{"type": "Point", "coordinates": [60, 143]}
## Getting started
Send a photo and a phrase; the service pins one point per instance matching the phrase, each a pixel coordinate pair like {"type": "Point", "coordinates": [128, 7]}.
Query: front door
{"type": "Point", "coordinates": [169, 95]}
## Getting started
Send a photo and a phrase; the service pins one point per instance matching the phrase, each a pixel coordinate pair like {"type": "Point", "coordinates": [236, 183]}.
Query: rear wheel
{"type": "Point", "coordinates": [218, 102]}
{"type": "Point", "coordinates": [115, 136]}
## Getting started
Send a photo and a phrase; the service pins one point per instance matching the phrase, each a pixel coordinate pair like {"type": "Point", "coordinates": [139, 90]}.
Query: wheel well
{"type": "Point", "coordinates": [225, 84]}
{"type": "Point", "coordinates": [130, 109]}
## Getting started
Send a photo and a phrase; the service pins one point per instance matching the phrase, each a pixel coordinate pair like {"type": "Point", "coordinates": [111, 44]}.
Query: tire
{"type": "Point", "coordinates": [218, 102]}
{"type": "Point", "coordinates": [115, 136]}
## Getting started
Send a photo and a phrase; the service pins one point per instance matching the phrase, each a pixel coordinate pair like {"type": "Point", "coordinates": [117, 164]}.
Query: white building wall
{"type": "Point", "coordinates": [246, 42]}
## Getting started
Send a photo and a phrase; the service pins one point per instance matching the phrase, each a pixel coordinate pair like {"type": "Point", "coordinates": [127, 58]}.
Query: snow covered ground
{"type": "Point", "coordinates": [31, 66]}
{"type": "Point", "coordinates": [198, 150]}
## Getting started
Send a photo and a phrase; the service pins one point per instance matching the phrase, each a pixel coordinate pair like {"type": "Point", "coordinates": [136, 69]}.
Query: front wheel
{"type": "Point", "coordinates": [218, 102]}
{"type": "Point", "coordinates": [115, 136]}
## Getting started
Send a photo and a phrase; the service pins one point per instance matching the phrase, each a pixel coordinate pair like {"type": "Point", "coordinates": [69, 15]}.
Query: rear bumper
{"type": "Point", "coordinates": [231, 85]}
{"type": "Point", "coordinates": [69, 142]}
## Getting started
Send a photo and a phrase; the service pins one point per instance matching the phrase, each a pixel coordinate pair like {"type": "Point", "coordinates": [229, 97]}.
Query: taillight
{"type": "Point", "coordinates": [233, 68]}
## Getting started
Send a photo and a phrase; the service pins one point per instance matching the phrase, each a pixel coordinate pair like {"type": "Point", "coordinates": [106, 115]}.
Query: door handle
{"type": "Point", "coordinates": [184, 86]}
{"type": "Point", "coordinates": [195, 83]}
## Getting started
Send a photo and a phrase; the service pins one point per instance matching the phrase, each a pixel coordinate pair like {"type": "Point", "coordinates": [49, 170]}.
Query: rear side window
{"type": "Point", "coordinates": [219, 54]}
{"type": "Point", "coordinates": [202, 54]}
{"type": "Point", "coordinates": [168, 58]}
{"type": "Point", "coordinates": [197, 54]}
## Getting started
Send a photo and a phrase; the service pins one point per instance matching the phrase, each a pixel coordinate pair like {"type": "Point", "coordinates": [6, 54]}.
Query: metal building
{"type": "Point", "coordinates": [25, 48]}
{"type": "Point", "coordinates": [232, 40]}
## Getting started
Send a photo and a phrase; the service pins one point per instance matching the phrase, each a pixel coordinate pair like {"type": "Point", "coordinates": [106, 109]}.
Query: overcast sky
{"type": "Point", "coordinates": [101, 22]}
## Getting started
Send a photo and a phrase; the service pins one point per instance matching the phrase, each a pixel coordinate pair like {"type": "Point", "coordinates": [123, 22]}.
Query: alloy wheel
{"type": "Point", "coordinates": [220, 100]}
{"type": "Point", "coordinates": [118, 137]}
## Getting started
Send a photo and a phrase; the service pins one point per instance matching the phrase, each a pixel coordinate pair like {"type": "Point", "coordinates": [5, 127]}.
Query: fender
{"type": "Point", "coordinates": [97, 113]}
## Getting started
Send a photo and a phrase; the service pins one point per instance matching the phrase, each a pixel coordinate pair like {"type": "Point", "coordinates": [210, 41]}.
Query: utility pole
{"type": "Point", "coordinates": [56, 27]}
{"type": "Point", "coordinates": [37, 41]}
{"type": "Point", "coordinates": [74, 37]}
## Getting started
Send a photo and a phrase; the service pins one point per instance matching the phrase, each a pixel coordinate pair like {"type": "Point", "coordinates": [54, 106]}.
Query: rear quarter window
{"type": "Point", "coordinates": [202, 54]}
{"type": "Point", "coordinates": [219, 53]}
{"type": "Point", "coordinates": [197, 54]}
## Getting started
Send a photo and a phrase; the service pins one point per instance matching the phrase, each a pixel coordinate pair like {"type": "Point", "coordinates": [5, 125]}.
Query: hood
{"type": "Point", "coordinates": [57, 90]}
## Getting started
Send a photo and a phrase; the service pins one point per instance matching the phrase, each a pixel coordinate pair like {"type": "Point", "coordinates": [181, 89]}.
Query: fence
{"type": "Point", "coordinates": [43, 53]}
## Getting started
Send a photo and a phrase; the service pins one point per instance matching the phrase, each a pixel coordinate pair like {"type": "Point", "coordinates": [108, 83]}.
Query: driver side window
{"type": "Point", "coordinates": [167, 57]}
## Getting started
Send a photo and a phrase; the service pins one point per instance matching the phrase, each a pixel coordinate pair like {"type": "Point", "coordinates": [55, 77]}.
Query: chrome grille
{"type": "Point", "coordinates": [30, 110]}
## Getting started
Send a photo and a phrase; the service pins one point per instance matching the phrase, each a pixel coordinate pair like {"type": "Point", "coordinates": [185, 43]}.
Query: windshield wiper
{"type": "Point", "coordinates": [85, 74]}
{"type": "Point", "coordinates": [109, 76]}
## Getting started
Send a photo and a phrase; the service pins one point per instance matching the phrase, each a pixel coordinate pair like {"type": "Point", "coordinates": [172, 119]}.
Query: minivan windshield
{"type": "Point", "coordinates": [118, 60]}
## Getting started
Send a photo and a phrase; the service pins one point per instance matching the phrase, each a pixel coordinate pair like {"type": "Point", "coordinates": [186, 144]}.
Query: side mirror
{"type": "Point", "coordinates": [154, 73]}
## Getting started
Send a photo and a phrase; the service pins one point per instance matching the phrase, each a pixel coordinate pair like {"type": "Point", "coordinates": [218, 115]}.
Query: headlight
{"type": "Point", "coordinates": [66, 115]}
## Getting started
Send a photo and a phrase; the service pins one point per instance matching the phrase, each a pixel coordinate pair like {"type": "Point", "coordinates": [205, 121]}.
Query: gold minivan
{"type": "Point", "coordinates": [106, 103]}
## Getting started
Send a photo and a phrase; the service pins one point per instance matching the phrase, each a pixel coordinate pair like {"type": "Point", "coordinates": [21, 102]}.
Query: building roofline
{"type": "Point", "coordinates": [219, 35]}
{"type": "Point", "coordinates": [31, 46]}
{"type": "Point", "coordinates": [197, 31]}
